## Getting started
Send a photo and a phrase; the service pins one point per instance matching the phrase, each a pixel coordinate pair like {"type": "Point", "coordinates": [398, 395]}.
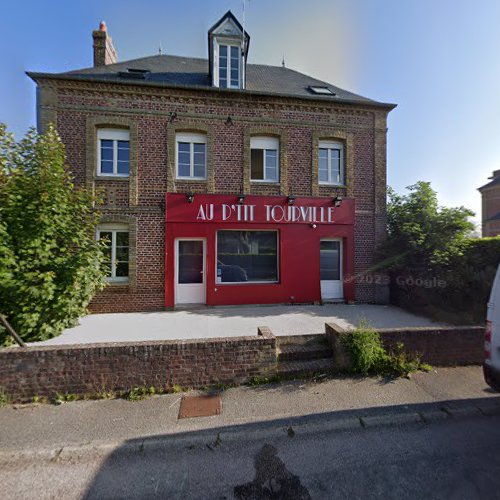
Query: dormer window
{"type": "Point", "coordinates": [229, 66]}
{"type": "Point", "coordinates": [227, 53]}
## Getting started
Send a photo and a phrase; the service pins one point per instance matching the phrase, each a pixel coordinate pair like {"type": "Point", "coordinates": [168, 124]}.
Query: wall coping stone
{"type": "Point", "coordinates": [261, 337]}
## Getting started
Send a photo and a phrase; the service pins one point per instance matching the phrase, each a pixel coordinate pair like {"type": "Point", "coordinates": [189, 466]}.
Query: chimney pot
{"type": "Point", "coordinates": [104, 51]}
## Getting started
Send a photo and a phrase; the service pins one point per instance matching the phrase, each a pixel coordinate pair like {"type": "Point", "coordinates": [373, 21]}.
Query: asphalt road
{"type": "Point", "coordinates": [452, 458]}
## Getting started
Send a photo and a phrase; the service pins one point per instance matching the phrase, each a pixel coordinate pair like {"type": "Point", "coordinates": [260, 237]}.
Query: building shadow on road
{"type": "Point", "coordinates": [169, 466]}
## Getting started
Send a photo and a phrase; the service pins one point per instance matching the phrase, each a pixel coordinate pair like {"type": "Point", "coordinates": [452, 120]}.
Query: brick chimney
{"type": "Point", "coordinates": [104, 52]}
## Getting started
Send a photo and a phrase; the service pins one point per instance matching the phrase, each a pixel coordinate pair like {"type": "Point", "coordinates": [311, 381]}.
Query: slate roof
{"type": "Point", "coordinates": [494, 182]}
{"type": "Point", "coordinates": [189, 72]}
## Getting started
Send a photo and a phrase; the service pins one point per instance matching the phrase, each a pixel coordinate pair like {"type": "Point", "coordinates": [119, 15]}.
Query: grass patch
{"type": "Point", "coordinates": [138, 393]}
{"type": "Point", "coordinates": [369, 356]}
{"type": "Point", "coordinates": [4, 397]}
{"type": "Point", "coordinates": [105, 394]}
{"type": "Point", "coordinates": [134, 394]}
{"type": "Point", "coordinates": [311, 376]}
{"type": "Point", "coordinates": [65, 398]}
{"type": "Point", "coordinates": [258, 381]}
{"type": "Point", "coordinates": [36, 399]}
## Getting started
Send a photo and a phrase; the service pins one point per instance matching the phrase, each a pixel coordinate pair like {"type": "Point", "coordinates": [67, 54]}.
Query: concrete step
{"type": "Point", "coordinates": [294, 352]}
{"type": "Point", "coordinates": [309, 338]}
{"type": "Point", "coordinates": [308, 367]}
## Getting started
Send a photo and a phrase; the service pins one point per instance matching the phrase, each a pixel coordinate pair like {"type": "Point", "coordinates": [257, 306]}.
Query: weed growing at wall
{"type": "Point", "coordinates": [369, 356]}
{"type": "Point", "coordinates": [66, 398]}
{"type": "Point", "coordinates": [138, 393]}
{"type": "Point", "coordinates": [366, 350]}
{"type": "Point", "coordinates": [4, 397]}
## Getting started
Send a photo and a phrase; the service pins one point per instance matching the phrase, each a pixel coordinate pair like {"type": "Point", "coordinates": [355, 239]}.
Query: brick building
{"type": "Point", "coordinates": [223, 182]}
{"type": "Point", "coordinates": [490, 195]}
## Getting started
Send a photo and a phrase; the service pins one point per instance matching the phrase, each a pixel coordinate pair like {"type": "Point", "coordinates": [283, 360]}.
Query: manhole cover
{"type": "Point", "coordinates": [200, 406]}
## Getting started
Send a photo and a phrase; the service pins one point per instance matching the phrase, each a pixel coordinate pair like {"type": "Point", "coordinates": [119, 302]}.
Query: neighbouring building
{"type": "Point", "coordinates": [223, 182]}
{"type": "Point", "coordinates": [490, 197]}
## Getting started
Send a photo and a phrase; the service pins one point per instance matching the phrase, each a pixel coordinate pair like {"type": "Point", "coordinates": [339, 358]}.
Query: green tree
{"type": "Point", "coordinates": [421, 234]}
{"type": "Point", "coordinates": [435, 267]}
{"type": "Point", "coordinates": [50, 263]}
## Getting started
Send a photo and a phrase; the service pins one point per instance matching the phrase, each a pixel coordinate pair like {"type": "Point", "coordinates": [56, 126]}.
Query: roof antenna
{"type": "Point", "coordinates": [283, 61]}
{"type": "Point", "coordinates": [244, 27]}
{"type": "Point", "coordinates": [160, 50]}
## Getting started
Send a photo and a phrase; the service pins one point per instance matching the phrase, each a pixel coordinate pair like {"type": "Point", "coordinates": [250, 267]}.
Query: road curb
{"type": "Point", "coordinates": [430, 416]}
{"type": "Point", "coordinates": [213, 439]}
{"type": "Point", "coordinates": [395, 419]}
{"type": "Point", "coordinates": [489, 408]}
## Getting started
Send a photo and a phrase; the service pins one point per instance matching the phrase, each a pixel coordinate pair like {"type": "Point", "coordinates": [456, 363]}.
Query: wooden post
{"type": "Point", "coordinates": [11, 330]}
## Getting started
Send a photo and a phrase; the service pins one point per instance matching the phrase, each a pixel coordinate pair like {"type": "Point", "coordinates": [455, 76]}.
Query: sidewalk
{"type": "Point", "coordinates": [112, 422]}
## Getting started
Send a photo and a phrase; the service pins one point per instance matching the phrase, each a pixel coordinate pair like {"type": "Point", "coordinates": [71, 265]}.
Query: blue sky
{"type": "Point", "coordinates": [437, 59]}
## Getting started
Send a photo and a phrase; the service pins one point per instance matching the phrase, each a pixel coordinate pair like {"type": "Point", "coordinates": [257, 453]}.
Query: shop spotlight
{"type": "Point", "coordinates": [313, 225]}
{"type": "Point", "coordinates": [291, 200]}
{"type": "Point", "coordinates": [337, 201]}
{"type": "Point", "coordinates": [190, 197]}
{"type": "Point", "coordinates": [241, 199]}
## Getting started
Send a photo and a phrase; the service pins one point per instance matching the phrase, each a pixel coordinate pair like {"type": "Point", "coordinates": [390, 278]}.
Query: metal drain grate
{"type": "Point", "coordinates": [200, 406]}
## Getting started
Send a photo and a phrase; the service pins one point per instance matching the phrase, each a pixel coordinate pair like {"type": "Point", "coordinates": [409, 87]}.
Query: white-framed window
{"type": "Point", "coordinates": [116, 252]}
{"type": "Point", "coordinates": [113, 152]}
{"type": "Point", "coordinates": [191, 156]}
{"type": "Point", "coordinates": [331, 163]}
{"type": "Point", "coordinates": [264, 157]}
{"type": "Point", "coordinates": [229, 70]}
{"type": "Point", "coordinates": [247, 256]}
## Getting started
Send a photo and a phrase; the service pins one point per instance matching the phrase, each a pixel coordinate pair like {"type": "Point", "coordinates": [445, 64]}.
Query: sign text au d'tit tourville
{"type": "Point", "coordinates": [266, 213]}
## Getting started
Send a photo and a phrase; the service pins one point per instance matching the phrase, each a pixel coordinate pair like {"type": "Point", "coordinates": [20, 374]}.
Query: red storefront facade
{"type": "Point", "coordinates": [314, 240]}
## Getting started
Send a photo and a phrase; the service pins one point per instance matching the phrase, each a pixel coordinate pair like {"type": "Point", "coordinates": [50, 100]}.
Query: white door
{"type": "Point", "coordinates": [190, 271]}
{"type": "Point", "coordinates": [330, 264]}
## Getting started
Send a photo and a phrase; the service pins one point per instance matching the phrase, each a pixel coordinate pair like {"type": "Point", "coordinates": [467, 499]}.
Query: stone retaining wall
{"type": "Point", "coordinates": [441, 346]}
{"type": "Point", "coordinates": [92, 368]}
{"type": "Point", "coordinates": [438, 346]}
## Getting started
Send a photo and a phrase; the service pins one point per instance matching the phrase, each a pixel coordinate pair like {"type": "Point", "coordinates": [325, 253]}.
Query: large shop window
{"type": "Point", "coordinates": [264, 158]}
{"type": "Point", "coordinates": [116, 252]}
{"type": "Point", "coordinates": [247, 256]}
{"type": "Point", "coordinates": [113, 152]}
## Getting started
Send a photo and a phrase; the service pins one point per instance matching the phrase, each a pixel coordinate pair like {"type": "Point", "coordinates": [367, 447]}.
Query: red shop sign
{"type": "Point", "coordinates": [204, 208]}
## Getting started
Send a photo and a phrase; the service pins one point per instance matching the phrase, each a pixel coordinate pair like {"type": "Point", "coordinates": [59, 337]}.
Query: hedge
{"type": "Point", "coordinates": [463, 286]}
